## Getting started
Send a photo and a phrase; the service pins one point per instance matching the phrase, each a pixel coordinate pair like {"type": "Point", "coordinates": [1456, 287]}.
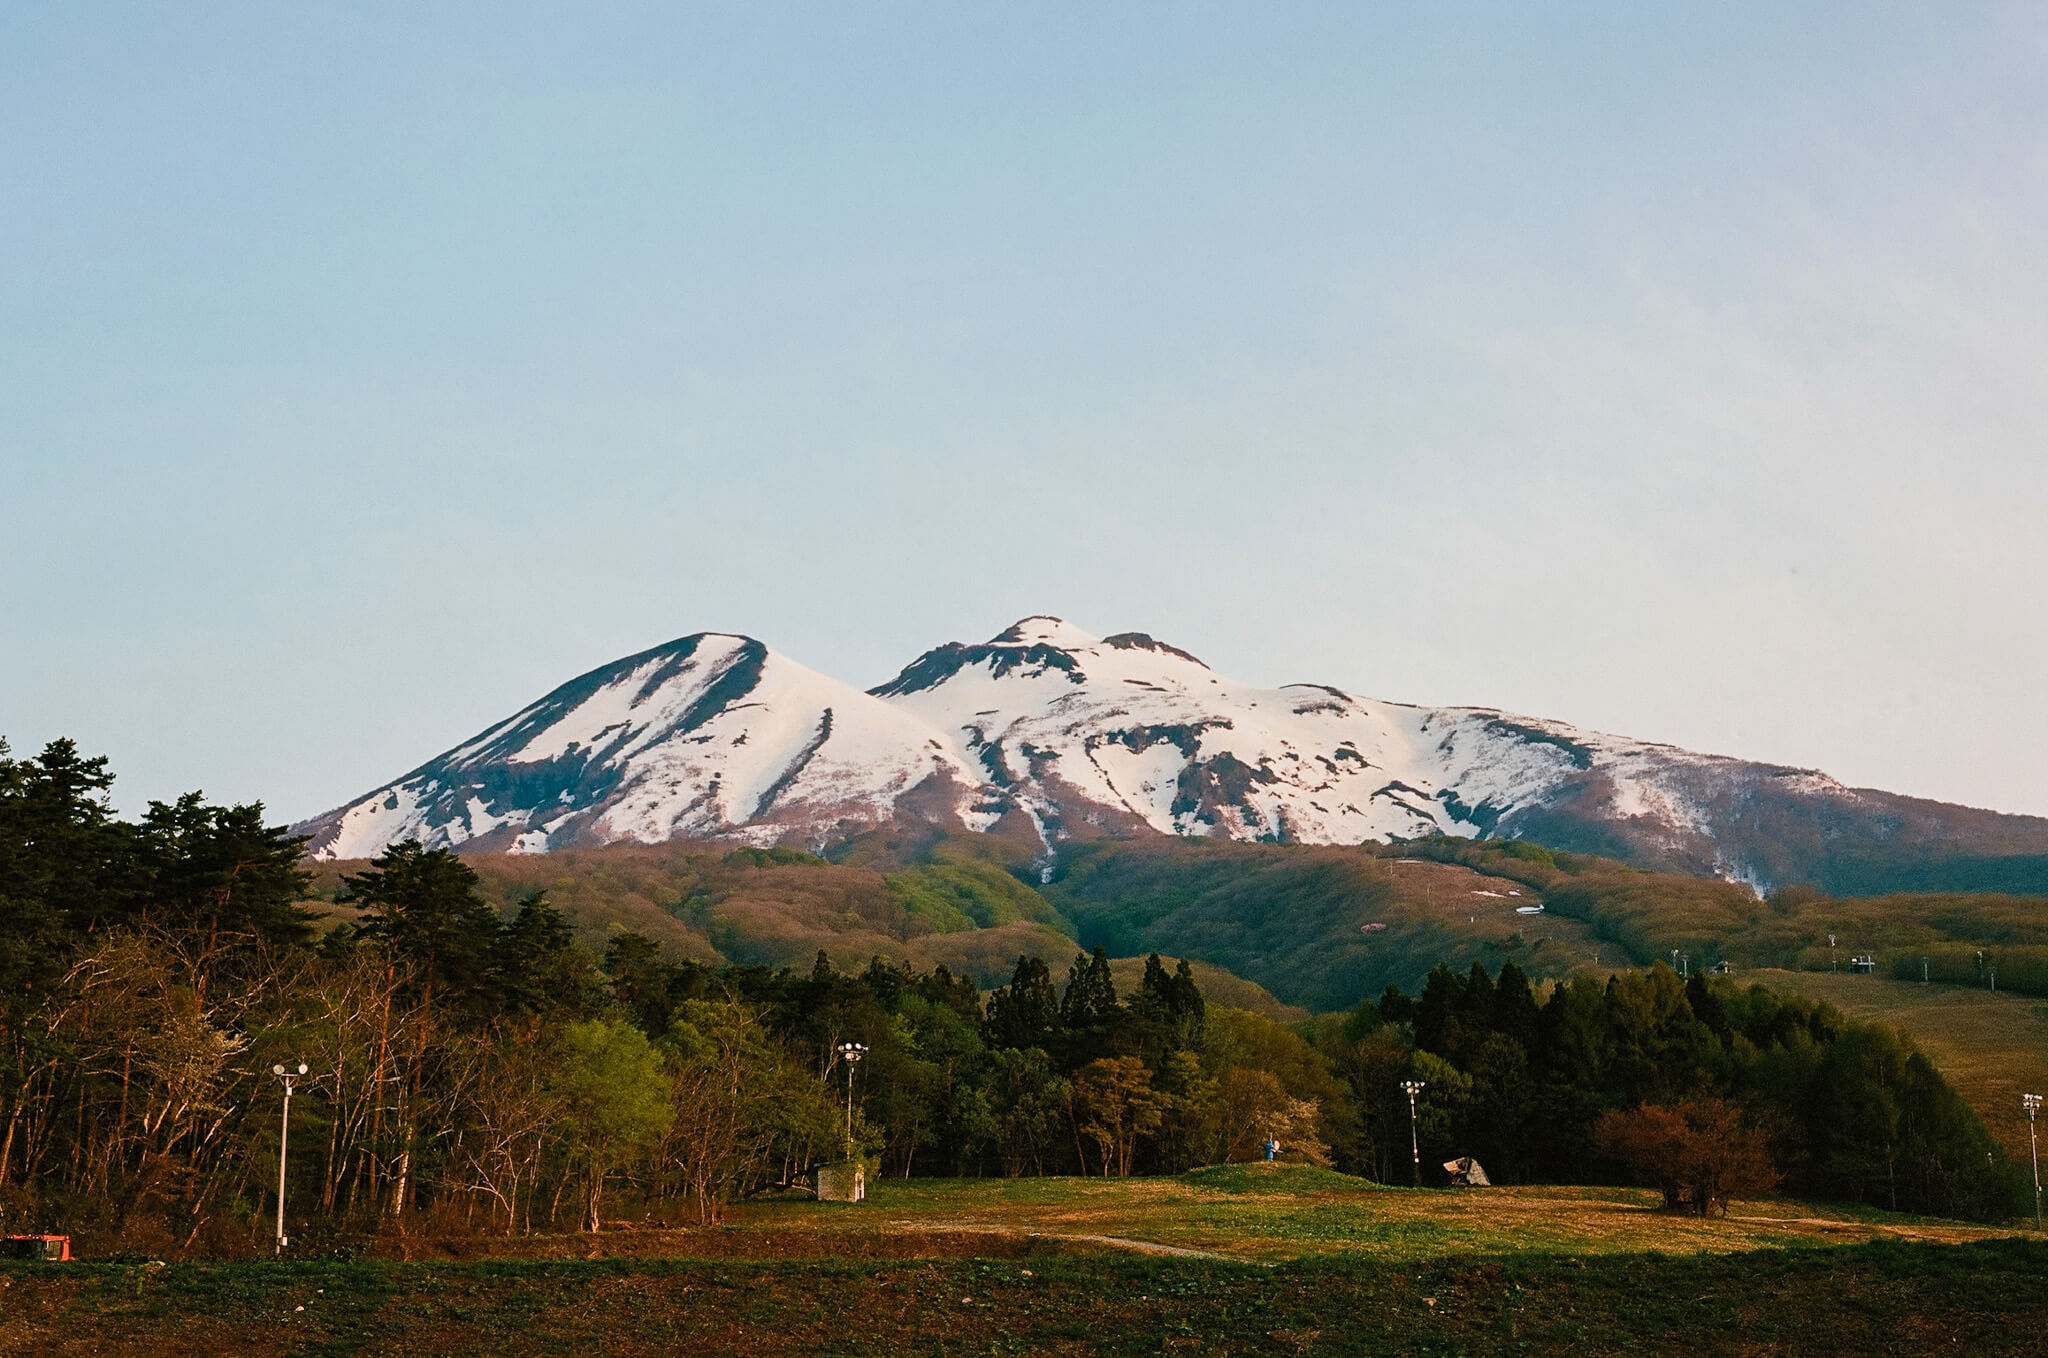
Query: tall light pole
{"type": "Point", "coordinates": [1414, 1087]}
{"type": "Point", "coordinates": [284, 1131]}
{"type": "Point", "coordinates": [852, 1051]}
{"type": "Point", "coordinates": [2032, 1103]}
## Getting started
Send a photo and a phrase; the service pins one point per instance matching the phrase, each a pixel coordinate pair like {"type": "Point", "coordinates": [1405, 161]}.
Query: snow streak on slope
{"type": "Point", "coordinates": [710, 734]}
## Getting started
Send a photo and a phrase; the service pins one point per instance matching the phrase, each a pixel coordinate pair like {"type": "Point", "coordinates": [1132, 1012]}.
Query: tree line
{"type": "Point", "coordinates": [472, 1071]}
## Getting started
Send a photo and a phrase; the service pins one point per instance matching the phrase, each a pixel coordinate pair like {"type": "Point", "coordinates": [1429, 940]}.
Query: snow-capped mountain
{"type": "Point", "coordinates": [716, 736]}
{"type": "Point", "coordinates": [697, 738]}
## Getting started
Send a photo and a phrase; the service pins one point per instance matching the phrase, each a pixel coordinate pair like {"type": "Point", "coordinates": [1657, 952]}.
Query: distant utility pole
{"type": "Point", "coordinates": [1414, 1087]}
{"type": "Point", "coordinates": [284, 1131]}
{"type": "Point", "coordinates": [2033, 1103]}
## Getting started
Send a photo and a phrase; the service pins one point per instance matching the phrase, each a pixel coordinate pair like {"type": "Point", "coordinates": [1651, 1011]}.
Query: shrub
{"type": "Point", "coordinates": [1700, 1153]}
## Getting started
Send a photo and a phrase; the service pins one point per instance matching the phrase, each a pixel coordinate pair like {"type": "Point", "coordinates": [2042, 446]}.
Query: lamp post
{"type": "Point", "coordinates": [2032, 1103]}
{"type": "Point", "coordinates": [1414, 1087]}
{"type": "Point", "coordinates": [852, 1051]}
{"type": "Point", "coordinates": [284, 1131]}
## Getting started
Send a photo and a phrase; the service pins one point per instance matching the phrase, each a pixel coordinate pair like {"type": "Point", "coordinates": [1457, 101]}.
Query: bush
{"type": "Point", "coordinates": [1700, 1153]}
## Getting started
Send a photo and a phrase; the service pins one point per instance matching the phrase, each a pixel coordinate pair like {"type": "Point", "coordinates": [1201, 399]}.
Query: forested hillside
{"type": "Point", "coordinates": [1972, 939]}
{"type": "Point", "coordinates": [481, 1068]}
{"type": "Point", "coordinates": [1318, 926]}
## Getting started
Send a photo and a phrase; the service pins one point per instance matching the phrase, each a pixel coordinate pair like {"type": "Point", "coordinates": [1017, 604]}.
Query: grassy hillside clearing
{"type": "Point", "coordinates": [1332, 1267]}
{"type": "Point", "coordinates": [1992, 1047]}
{"type": "Point", "coordinates": [1274, 1213]}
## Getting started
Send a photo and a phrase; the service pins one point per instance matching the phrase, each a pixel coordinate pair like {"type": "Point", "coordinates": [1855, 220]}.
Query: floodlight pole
{"type": "Point", "coordinates": [852, 1051]}
{"type": "Point", "coordinates": [2033, 1103]}
{"type": "Point", "coordinates": [284, 1132]}
{"type": "Point", "coordinates": [1414, 1087]}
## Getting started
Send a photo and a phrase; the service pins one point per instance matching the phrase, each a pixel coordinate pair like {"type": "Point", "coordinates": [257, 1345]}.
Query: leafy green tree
{"type": "Point", "coordinates": [1115, 1105]}
{"type": "Point", "coordinates": [1441, 1109]}
{"type": "Point", "coordinates": [1186, 1011]}
{"type": "Point", "coordinates": [1029, 1102]}
{"type": "Point", "coordinates": [1503, 1099]}
{"type": "Point", "coordinates": [738, 1106]}
{"type": "Point", "coordinates": [607, 1081]}
{"type": "Point", "coordinates": [1191, 1132]}
{"type": "Point", "coordinates": [1167, 1012]}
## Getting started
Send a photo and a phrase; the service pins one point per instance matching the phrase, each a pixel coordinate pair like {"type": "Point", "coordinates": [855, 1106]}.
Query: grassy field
{"type": "Point", "coordinates": [1241, 1260]}
{"type": "Point", "coordinates": [1865, 1300]}
{"type": "Point", "coordinates": [1992, 1047]}
{"type": "Point", "coordinates": [1268, 1214]}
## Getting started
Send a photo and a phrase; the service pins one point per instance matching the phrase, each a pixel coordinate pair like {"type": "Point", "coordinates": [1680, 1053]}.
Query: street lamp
{"type": "Point", "coordinates": [2032, 1103]}
{"type": "Point", "coordinates": [284, 1131]}
{"type": "Point", "coordinates": [852, 1051]}
{"type": "Point", "coordinates": [1414, 1087]}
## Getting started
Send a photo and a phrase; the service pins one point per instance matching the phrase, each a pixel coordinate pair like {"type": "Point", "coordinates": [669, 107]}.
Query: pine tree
{"type": "Point", "coordinates": [1515, 1012]}
{"type": "Point", "coordinates": [537, 964]}
{"type": "Point", "coordinates": [219, 873]}
{"type": "Point", "coordinates": [423, 904]}
{"type": "Point", "coordinates": [641, 981]}
{"type": "Point", "coordinates": [1090, 1001]}
{"type": "Point", "coordinates": [1026, 1012]}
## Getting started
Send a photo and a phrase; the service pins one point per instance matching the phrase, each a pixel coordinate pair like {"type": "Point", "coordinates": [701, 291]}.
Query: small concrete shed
{"type": "Point", "coordinates": [842, 1181]}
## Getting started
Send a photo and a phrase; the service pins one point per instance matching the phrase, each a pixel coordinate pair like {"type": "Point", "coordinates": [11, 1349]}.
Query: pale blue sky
{"type": "Point", "coordinates": [1677, 371]}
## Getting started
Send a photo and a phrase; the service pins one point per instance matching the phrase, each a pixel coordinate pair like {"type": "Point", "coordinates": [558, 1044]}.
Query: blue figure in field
{"type": "Point", "coordinates": [1272, 1149]}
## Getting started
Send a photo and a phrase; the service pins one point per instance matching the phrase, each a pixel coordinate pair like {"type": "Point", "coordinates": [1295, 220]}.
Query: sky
{"type": "Point", "coordinates": [1673, 370]}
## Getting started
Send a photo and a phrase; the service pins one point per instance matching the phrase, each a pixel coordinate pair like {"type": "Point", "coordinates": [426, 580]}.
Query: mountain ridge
{"type": "Point", "coordinates": [1047, 732]}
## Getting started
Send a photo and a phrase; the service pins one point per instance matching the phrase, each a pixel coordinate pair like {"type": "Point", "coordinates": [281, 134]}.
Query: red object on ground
{"type": "Point", "coordinates": [53, 1248]}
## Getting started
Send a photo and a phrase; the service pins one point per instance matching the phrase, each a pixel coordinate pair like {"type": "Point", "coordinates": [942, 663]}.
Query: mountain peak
{"type": "Point", "coordinates": [1139, 641]}
{"type": "Point", "coordinates": [1044, 630]}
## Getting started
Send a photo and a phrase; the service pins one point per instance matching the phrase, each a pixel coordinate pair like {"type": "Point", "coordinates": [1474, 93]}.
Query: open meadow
{"type": "Point", "coordinates": [1239, 1259]}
